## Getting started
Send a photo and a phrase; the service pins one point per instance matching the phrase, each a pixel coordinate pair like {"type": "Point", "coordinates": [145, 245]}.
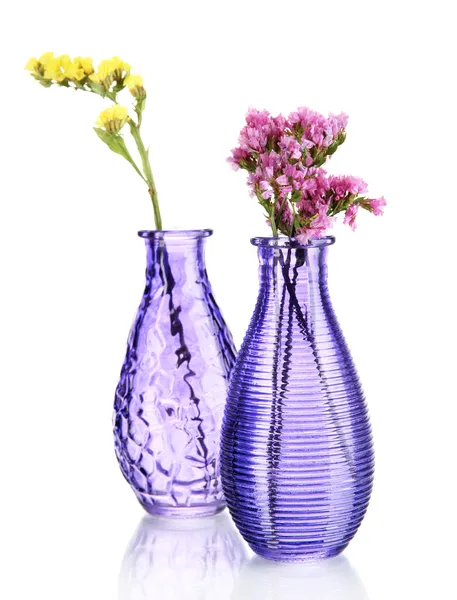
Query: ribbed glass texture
{"type": "Point", "coordinates": [297, 456]}
{"type": "Point", "coordinates": [171, 394]}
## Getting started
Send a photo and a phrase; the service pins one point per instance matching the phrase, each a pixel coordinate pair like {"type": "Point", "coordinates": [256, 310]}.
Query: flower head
{"type": "Point", "coordinates": [377, 205]}
{"type": "Point", "coordinates": [112, 119]}
{"type": "Point", "coordinates": [85, 63]}
{"type": "Point", "coordinates": [284, 157]}
{"type": "Point", "coordinates": [32, 65]}
{"type": "Point", "coordinates": [37, 66]}
{"type": "Point", "coordinates": [59, 69]}
{"type": "Point", "coordinates": [351, 214]}
{"type": "Point", "coordinates": [53, 70]}
{"type": "Point", "coordinates": [74, 71]}
{"type": "Point", "coordinates": [46, 57]}
{"type": "Point", "coordinates": [77, 69]}
{"type": "Point", "coordinates": [110, 71]}
{"type": "Point", "coordinates": [135, 85]}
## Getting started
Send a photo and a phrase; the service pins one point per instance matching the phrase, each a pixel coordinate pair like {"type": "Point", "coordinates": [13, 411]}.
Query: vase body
{"type": "Point", "coordinates": [171, 395]}
{"type": "Point", "coordinates": [297, 456]}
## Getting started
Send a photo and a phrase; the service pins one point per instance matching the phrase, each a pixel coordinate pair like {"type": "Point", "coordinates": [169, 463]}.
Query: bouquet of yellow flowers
{"type": "Point", "coordinates": [112, 77]}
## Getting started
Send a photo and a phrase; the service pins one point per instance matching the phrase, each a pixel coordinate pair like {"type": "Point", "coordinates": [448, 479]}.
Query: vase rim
{"type": "Point", "coordinates": [287, 242]}
{"type": "Point", "coordinates": [174, 234]}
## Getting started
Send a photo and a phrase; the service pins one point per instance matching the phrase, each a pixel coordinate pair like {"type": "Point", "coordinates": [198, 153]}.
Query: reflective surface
{"type": "Point", "coordinates": [297, 456]}
{"type": "Point", "coordinates": [171, 394]}
{"type": "Point", "coordinates": [173, 559]}
{"type": "Point", "coordinates": [331, 579]}
{"type": "Point", "coordinates": [198, 559]}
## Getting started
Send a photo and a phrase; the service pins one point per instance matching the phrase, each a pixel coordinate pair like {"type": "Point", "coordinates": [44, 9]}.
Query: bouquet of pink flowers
{"type": "Point", "coordinates": [284, 158]}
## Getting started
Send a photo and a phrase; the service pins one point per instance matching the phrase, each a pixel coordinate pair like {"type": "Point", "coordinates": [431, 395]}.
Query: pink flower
{"type": "Point", "coordinates": [257, 118]}
{"type": "Point", "coordinates": [377, 205]}
{"type": "Point", "coordinates": [303, 236]}
{"type": "Point", "coordinates": [349, 217]}
{"type": "Point", "coordinates": [337, 123]}
{"type": "Point", "coordinates": [284, 158]}
{"type": "Point", "coordinates": [267, 190]}
{"type": "Point", "coordinates": [347, 184]}
{"type": "Point", "coordinates": [318, 130]}
{"type": "Point", "coordinates": [237, 155]}
{"type": "Point", "coordinates": [290, 147]}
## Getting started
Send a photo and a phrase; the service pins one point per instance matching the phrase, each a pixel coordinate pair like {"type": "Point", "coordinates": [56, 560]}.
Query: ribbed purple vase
{"type": "Point", "coordinates": [171, 394]}
{"type": "Point", "coordinates": [297, 455]}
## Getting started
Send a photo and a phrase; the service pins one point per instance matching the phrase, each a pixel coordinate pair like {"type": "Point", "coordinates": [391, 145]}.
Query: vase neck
{"type": "Point", "coordinates": [174, 255]}
{"type": "Point", "coordinates": [185, 260]}
{"type": "Point", "coordinates": [299, 266]}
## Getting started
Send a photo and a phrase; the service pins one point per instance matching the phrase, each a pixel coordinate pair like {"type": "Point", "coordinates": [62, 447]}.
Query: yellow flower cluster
{"type": "Point", "coordinates": [77, 68]}
{"type": "Point", "coordinates": [135, 85]}
{"type": "Point", "coordinates": [111, 70]}
{"type": "Point", "coordinates": [60, 68]}
{"type": "Point", "coordinates": [113, 118]}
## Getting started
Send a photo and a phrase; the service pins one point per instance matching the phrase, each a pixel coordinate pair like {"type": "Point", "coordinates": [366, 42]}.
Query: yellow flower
{"type": "Point", "coordinates": [45, 58]}
{"type": "Point", "coordinates": [113, 118]}
{"type": "Point", "coordinates": [37, 66]}
{"type": "Point", "coordinates": [120, 65]}
{"type": "Point", "coordinates": [85, 64]}
{"type": "Point", "coordinates": [105, 69]}
{"type": "Point", "coordinates": [53, 70]}
{"type": "Point", "coordinates": [110, 70]}
{"type": "Point", "coordinates": [32, 65]}
{"type": "Point", "coordinates": [64, 60]}
{"type": "Point", "coordinates": [135, 85]}
{"type": "Point", "coordinates": [74, 72]}
{"type": "Point", "coordinates": [76, 69]}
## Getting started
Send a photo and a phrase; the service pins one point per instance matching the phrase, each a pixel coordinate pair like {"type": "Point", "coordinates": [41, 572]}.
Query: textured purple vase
{"type": "Point", "coordinates": [171, 395]}
{"type": "Point", "coordinates": [297, 456]}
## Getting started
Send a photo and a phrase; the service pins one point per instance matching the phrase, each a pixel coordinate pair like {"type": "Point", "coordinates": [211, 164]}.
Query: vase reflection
{"type": "Point", "coordinates": [183, 559]}
{"type": "Point", "coordinates": [330, 579]}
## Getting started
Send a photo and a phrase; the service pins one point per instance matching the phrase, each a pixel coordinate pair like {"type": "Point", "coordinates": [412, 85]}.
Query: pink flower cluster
{"type": "Point", "coordinates": [284, 159]}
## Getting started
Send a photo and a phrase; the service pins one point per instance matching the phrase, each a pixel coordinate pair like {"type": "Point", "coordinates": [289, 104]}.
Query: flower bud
{"type": "Point", "coordinates": [135, 85]}
{"type": "Point", "coordinates": [332, 148]}
{"type": "Point", "coordinates": [113, 119]}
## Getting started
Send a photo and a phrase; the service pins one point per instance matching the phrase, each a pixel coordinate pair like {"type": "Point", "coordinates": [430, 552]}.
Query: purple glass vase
{"type": "Point", "coordinates": [171, 394]}
{"type": "Point", "coordinates": [297, 456]}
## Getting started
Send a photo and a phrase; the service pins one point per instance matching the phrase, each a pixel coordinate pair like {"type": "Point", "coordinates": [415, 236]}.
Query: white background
{"type": "Point", "coordinates": [72, 276]}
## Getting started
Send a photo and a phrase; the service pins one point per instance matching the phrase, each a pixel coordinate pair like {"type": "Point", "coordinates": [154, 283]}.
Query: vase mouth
{"type": "Point", "coordinates": [287, 242]}
{"type": "Point", "coordinates": [175, 234]}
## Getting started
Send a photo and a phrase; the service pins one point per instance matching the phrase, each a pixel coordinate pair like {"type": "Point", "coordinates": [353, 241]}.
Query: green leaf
{"type": "Point", "coordinates": [115, 142]}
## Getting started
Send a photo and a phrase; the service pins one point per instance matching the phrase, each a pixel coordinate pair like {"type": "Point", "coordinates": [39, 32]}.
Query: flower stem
{"type": "Point", "coordinates": [274, 229]}
{"type": "Point", "coordinates": [135, 131]}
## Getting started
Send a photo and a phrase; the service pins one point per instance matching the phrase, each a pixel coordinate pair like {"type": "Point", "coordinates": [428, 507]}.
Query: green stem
{"type": "Point", "coordinates": [135, 131]}
{"type": "Point", "coordinates": [273, 222]}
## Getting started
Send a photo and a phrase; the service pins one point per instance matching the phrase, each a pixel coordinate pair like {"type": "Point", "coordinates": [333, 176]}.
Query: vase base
{"type": "Point", "coordinates": [299, 558]}
{"type": "Point", "coordinates": [184, 512]}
